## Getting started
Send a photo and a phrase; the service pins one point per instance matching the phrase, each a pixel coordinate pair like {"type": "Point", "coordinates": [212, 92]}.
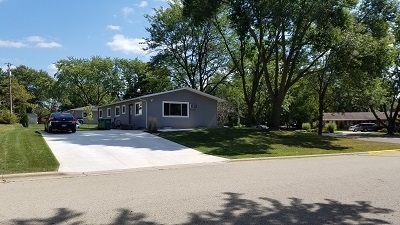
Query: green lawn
{"type": "Point", "coordinates": [86, 126]}
{"type": "Point", "coordinates": [248, 143]}
{"type": "Point", "coordinates": [23, 150]}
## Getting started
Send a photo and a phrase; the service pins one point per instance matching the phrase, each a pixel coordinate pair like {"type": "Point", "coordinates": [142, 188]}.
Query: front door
{"type": "Point", "coordinates": [130, 113]}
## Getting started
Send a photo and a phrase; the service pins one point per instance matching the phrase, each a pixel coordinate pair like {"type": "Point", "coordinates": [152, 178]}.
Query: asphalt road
{"type": "Point", "coordinates": [353, 189]}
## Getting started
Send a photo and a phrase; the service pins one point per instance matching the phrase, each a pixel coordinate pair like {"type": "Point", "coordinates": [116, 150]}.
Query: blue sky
{"type": "Point", "coordinates": [37, 33]}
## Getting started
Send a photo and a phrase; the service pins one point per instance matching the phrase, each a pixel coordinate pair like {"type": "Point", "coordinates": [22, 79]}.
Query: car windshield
{"type": "Point", "coordinates": [62, 116]}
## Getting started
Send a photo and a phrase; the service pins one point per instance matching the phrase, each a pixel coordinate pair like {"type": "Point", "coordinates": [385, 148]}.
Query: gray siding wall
{"type": "Point", "coordinates": [79, 113]}
{"type": "Point", "coordinates": [137, 121]}
{"type": "Point", "coordinates": [205, 115]}
{"type": "Point", "coordinates": [33, 118]}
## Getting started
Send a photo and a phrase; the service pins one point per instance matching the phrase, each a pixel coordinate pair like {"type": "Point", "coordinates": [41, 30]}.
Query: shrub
{"type": "Point", "coordinates": [232, 119]}
{"type": "Point", "coordinates": [306, 126]}
{"type": "Point", "coordinates": [24, 120]}
{"type": "Point", "coordinates": [152, 128]}
{"type": "Point", "coordinates": [7, 118]}
{"type": "Point", "coordinates": [314, 125]}
{"type": "Point", "coordinates": [331, 127]}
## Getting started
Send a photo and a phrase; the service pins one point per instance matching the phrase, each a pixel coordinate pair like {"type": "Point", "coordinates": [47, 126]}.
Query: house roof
{"type": "Point", "coordinates": [82, 108]}
{"type": "Point", "coordinates": [353, 116]}
{"type": "Point", "coordinates": [171, 91]}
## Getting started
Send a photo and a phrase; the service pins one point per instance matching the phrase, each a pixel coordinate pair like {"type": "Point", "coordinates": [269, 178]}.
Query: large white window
{"type": "Point", "coordinates": [175, 109]}
{"type": "Point", "coordinates": [117, 111]}
{"type": "Point", "coordinates": [123, 109]}
{"type": "Point", "coordinates": [108, 112]}
{"type": "Point", "coordinates": [100, 113]}
{"type": "Point", "coordinates": [138, 108]}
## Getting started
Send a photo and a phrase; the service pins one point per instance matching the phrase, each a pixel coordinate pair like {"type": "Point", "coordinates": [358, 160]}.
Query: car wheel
{"type": "Point", "coordinates": [354, 130]}
{"type": "Point", "coordinates": [73, 130]}
{"type": "Point", "coordinates": [365, 130]}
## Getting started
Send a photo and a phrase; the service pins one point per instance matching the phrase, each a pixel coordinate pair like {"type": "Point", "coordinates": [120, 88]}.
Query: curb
{"type": "Point", "coordinates": [383, 151]}
{"type": "Point", "coordinates": [32, 176]}
{"type": "Point", "coordinates": [297, 156]}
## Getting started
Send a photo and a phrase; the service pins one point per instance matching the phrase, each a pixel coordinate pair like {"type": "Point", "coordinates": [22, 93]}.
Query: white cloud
{"type": "Point", "coordinates": [31, 41]}
{"type": "Point", "coordinates": [12, 44]}
{"type": "Point", "coordinates": [35, 39]}
{"type": "Point", "coordinates": [127, 11]}
{"type": "Point", "coordinates": [48, 45]}
{"type": "Point", "coordinates": [5, 67]}
{"type": "Point", "coordinates": [112, 27]}
{"type": "Point", "coordinates": [41, 42]}
{"type": "Point", "coordinates": [52, 69]}
{"type": "Point", "coordinates": [127, 45]}
{"type": "Point", "coordinates": [142, 4]}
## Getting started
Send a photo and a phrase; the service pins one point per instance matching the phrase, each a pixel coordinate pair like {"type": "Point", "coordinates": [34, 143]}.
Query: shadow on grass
{"type": "Point", "coordinates": [235, 142]}
{"type": "Point", "coordinates": [305, 140]}
{"type": "Point", "coordinates": [54, 132]}
{"type": "Point", "coordinates": [238, 210]}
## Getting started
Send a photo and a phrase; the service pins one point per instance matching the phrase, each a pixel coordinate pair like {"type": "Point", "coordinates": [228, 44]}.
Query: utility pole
{"type": "Point", "coordinates": [9, 76]}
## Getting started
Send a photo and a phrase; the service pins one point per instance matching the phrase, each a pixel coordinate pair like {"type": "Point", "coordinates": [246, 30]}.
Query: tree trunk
{"type": "Point", "coordinates": [320, 120]}
{"type": "Point", "coordinates": [276, 112]}
{"type": "Point", "coordinates": [391, 126]}
{"type": "Point", "coordinates": [249, 115]}
{"type": "Point", "coordinates": [321, 112]}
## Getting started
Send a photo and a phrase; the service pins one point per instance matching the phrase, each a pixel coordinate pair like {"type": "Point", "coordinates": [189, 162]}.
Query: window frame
{"type": "Point", "coordinates": [100, 113]}
{"type": "Point", "coordinates": [108, 112]}
{"type": "Point", "coordinates": [140, 110]}
{"type": "Point", "coordinates": [178, 103]}
{"type": "Point", "coordinates": [123, 109]}
{"type": "Point", "coordinates": [119, 111]}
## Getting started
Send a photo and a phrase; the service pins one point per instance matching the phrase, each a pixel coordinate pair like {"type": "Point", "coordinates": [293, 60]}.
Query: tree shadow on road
{"type": "Point", "coordinates": [61, 216]}
{"type": "Point", "coordinates": [239, 210]}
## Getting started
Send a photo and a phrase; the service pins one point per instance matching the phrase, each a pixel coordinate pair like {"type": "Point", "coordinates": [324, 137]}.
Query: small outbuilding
{"type": "Point", "coordinates": [32, 118]}
{"type": "Point", "coordinates": [178, 109]}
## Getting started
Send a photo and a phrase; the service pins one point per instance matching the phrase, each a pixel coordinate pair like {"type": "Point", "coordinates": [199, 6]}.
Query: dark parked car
{"type": "Point", "coordinates": [364, 127]}
{"type": "Point", "coordinates": [60, 121]}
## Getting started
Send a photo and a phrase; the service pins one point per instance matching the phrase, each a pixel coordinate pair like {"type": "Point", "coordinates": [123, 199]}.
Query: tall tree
{"type": "Point", "coordinates": [192, 52]}
{"type": "Point", "coordinates": [37, 82]}
{"type": "Point", "coordinates": [21, 98]}
{"type": "Point", "coordinates": [381, 19]}
{"type": "Point", "coordinates": [139, 78]}
{"type": "Point", "coordinates": [87, 81]}
{"type": "Point", "coordinates": [246, 62]}
{"type": "Point", "coordinates": [289, 36]}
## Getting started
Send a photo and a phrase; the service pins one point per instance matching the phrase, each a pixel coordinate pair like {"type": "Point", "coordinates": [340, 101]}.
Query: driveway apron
{"type": "Point", "coordinates": [93, 151]}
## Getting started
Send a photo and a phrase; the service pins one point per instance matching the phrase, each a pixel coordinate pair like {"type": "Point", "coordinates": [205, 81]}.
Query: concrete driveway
{"type": "Point", "coordinates": [92, 151]}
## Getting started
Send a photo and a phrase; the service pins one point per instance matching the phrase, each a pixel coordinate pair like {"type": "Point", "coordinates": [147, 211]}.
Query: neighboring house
{"type": "Point", "coordinates": [78, 113]}
{"type": "Point", "coordinates": [346, 119]}
{"type": "Point", "coordinates": [32, 118]}
{"type": "Point", "coordinates": [180, 108]}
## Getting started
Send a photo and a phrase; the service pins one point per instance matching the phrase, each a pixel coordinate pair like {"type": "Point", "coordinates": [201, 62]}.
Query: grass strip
{"type": "Point", "coordinates": [23, 150]}
{"type": "Point", "coordinates": [236, 143]}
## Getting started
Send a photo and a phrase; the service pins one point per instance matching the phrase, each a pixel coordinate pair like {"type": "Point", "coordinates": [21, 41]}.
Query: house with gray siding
{"type": "Point", "coordinates": [79, 113]}
{"type": "Point", "coordinates": [347, 119]}
{"type": "Point", "coordinates": [177, 109]}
